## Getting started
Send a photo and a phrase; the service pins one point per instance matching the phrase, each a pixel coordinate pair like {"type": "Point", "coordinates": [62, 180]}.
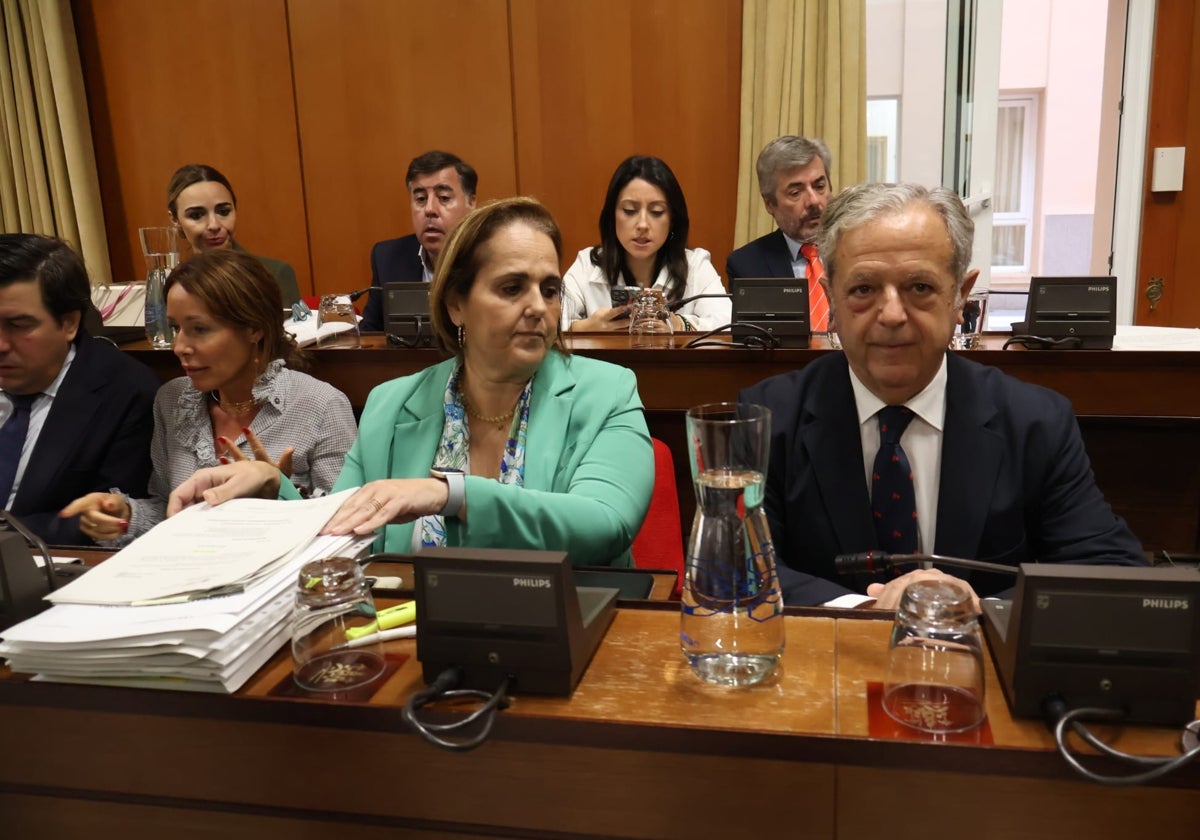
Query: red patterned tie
{"type": "Point", "coordinates": [818, 306]}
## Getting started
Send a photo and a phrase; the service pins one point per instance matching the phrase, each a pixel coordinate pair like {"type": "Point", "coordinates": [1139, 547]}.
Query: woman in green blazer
{"type": "Point", "coordinates": [510, 444]}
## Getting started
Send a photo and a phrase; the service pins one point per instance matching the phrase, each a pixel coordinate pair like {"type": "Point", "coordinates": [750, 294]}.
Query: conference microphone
{"type": "Point", "coordinates": [354, 296]}
{"type": "Point", "coordinates": [679, 304]}
{"type": "Point", "coordinates": [881, 561]}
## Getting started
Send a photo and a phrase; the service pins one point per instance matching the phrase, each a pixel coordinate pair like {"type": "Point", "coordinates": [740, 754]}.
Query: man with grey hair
{"type": "Point", "coordinates": [897, 445]}
{"type": "Point", "coordinates": [793, 178]}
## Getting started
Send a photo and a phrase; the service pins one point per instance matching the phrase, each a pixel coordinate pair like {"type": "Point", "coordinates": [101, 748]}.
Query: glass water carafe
{"type": "Point", "coordinates": [732, 614]}
{"type": "Point", "coordinates": [162, 255]}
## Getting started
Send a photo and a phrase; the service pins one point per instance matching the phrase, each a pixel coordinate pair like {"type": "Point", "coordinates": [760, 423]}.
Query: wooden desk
{"type": "Point", "coordinates": [642, 749]}
{"type": "Point", "coordinates": [1139, 411]}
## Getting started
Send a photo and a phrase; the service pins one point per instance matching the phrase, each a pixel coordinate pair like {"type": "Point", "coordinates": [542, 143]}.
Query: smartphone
{"type": "Point", "coordinates": [620, 297]}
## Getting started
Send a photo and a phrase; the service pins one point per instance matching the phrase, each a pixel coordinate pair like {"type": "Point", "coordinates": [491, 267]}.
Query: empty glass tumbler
{"type": "Point", "coordinates": [162, 255]}
{"type": "Point", "coordinates": [333, 597]}
{"type": "Point", "coordinates": [935, 660]}
{"type": "Point", "coordinates": [337, 309]}
{"type": "Point", "coordinates": [732, 613]}
{"type": "Point", "coordinates": [650, 320]}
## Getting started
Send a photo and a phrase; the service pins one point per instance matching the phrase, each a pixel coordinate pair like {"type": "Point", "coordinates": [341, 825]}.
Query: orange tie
{"type": "Point", "coordinates": [818, 306]}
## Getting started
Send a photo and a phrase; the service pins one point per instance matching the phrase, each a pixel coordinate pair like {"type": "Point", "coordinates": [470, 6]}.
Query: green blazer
{"type": "Point", "coordinates": [589, 463]}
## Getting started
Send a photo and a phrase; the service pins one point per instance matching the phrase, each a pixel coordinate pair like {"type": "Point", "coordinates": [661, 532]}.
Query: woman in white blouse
{"type": "Point", "coordinates": [643, 244]}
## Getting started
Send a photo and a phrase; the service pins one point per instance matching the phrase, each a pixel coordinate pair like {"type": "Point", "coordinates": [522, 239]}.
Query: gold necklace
{"type": "Point", "coordinates": [234, 408]}
{"type": "Point", "coordinates": [498, 420]}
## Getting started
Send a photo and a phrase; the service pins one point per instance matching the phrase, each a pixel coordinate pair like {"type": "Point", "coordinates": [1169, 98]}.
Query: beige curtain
{"type": "Point", "coordinates": [48, 180]}
{"type": "Point", "coordinates": [803, 72]}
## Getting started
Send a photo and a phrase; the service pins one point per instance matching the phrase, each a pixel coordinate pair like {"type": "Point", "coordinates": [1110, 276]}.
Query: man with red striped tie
{"type": "Point", "coordinates": [793, 177]}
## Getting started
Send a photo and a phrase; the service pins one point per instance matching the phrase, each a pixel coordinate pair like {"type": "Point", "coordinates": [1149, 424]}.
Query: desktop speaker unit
{"type": "Point", "coordinates": [775, 305]}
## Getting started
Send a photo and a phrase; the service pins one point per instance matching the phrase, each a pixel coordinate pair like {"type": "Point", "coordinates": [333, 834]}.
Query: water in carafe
{"type": "Point", "coordinates": [732, 613]}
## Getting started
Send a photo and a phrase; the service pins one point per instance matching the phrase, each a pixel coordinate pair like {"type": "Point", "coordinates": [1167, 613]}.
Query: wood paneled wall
{"type": "Point", "coordinates": [174, 83]}
{"type": "Point", "coordinates": [313, 109]}
{"type": "Point", "coordinates": [1171, 220]}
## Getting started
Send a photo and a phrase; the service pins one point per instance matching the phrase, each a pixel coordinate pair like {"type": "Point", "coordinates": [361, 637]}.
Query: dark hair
{"type": "Point", "coordinates": [194, 173]}
{"type": "Point", "coordinates": [461, 259]}
{"type": "Point", "coordinates": [435, 161]}
{"type": "Point", "coordinates": [609, 255]}
{"type": "Point", "coordinates": [237, 289]}
{"type": "Point", "coordinates": [57, 269]}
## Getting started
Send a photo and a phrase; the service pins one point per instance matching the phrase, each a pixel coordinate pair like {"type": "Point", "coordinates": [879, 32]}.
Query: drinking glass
{"type": "Point", "coordinates": [969, 335]}
{"type": "Point", "coordinates": [935, 660]}
{"type": "Point", "coordinates": [333, 597]}
{"type": "Point", "coordinates": [650, 321]}
{"type": "Point", "coordinates": [337, 309]}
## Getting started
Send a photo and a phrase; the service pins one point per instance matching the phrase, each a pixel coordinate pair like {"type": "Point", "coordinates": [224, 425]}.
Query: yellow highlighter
{"type": "Point", "coordinates": [386, 620]}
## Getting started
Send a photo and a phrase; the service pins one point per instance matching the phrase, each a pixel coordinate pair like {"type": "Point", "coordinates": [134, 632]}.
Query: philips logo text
{"type": "Point", "coordinates": [1165, 603]}
{"type": "Point", "coordinates": [532, 583]}
{"type": "Point", "coordinates": [1097, 288]}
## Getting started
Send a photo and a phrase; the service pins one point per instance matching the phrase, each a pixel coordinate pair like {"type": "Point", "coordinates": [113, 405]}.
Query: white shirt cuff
{"type": "Point", "coordinates": [847, 602]}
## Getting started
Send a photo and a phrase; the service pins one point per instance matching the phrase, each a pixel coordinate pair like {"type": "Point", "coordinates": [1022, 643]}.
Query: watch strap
{"type": "Point", "coordinates": [456, 484]}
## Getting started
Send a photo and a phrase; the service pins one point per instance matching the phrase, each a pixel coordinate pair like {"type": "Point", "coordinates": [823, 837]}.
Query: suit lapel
{"type": "Point", "coordinates": [779, 256]}
{"type": "Point", "coordinates": [834, 447]}
{"type": "Point", "coordinates": [418, 429]}
{"type": "Point", "coordinates": [71, 414]}
{"type": "Point", "coordinates": [972, 452]}
{"type": "Point", "coordinates": [549, 418]}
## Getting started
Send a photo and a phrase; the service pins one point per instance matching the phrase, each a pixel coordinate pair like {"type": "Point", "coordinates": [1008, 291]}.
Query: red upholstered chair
{"type": "Point", "coordinates": [659, 543]}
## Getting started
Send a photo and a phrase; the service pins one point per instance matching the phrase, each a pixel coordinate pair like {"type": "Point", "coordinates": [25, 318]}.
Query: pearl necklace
{"type": "Point", "coordinates": [232, 408]}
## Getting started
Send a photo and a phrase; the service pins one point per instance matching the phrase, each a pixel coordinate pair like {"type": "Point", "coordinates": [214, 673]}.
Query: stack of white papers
{"type": "Point", "coordinates": [147, 620]}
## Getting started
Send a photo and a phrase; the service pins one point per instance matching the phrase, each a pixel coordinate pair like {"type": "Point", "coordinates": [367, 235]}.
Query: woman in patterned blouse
{"type": "Point", "coordinates": [239, 398]}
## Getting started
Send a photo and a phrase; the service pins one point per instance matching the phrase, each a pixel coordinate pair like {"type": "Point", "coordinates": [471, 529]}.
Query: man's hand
{"type": "Point", "coordinates": [887, 595]}
{"type": "Point", "coordinates": [239, 480]}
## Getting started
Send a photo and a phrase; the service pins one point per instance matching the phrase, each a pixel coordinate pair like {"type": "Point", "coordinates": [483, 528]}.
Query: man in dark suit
{"type": "Point", "coordinates": [442, 189]}
{"type": "Point", "coordinates": [76, 412]}
{"type": "Point", "coordinates": [793, 178]}
{"type": "Point", "coordinates": [990, 468]}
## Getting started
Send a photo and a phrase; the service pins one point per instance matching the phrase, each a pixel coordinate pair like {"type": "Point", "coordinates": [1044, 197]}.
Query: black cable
{"type": "Point", "coordinates": [1060, 717]}
{"type": "Point", "coordinates": [418, 330]}
{"type": "Point", "coordinates": [444, 687]}
{"type": "Point", "coordinates": [765, 341]}
{"type": "Point", "coordinates": [1041, 342]}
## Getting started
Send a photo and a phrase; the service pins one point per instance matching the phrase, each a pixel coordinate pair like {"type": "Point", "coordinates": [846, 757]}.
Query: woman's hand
{"type": "Point", "coordinates": [239, 480]}
{"type": "Point", "coordinates": [604, 320]}
{"type": "Point", "coordinates": [232, 453]}
{"type": "Point", "coordinates": [390, 501]}
{"type": "Point", "coordinates": [102, 516]}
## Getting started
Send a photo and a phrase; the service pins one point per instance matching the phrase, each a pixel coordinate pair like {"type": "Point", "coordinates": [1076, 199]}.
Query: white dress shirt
{"type": "Point", "coordinates": [37, 419]}
{"type": "Point", "coordinates": [585, 291]}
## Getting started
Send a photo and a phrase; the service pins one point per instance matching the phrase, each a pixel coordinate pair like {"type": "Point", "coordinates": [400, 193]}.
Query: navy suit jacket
{"type": "Point", "coordinates": [392, 261]}
{"type": "Point", "coordinates": [1016, 484]}
{"type": "Point", "coordinates": [95, 438]}
{"type": "Point", "coordinates": [767, 256]}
